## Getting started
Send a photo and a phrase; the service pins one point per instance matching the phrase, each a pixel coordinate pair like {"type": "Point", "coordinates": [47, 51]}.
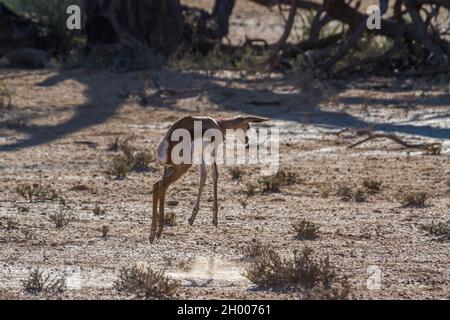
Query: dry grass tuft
{"type": "Point", "coordinates": [302, 272]}
{"type": "Point", "coordinates": [12, 224]}
{"type": "Point", "coordinates": [120, 166]}
{"type": "Point", "coordinates": [253, 250]}
{"type": "Point", "coordinates": [414, 199]}
{"type": "Point", "coordinates": [372, 185]}
{"type": "Point", "coordinates": [274, 182]}
{"type": "Point", "coordinates": [98, 211]}
{"type": "Point", "coordinates": [250, 189]}
{"type": "Point", "coordinates": [447, 183]}
{"type": "Point", "coordinates": [105, 231]}
{"type": "Point", "coordinates": [129, 158]}
{"type": "Point", "coordinates": [121, 143]}
{"type": "Point", "coordinates": [439, 229]}
{"type": "Point", "coordinates": [360, 196]}
{"type": "Point", "coordinates": [37, 192]}
{"type": "Point", "coordinates": [170, 219]}
{"type": "Point", "coordinates": [5, 97]}
{"type": "Point", "coordinates": [236, 173]}
{"type": "Point", "coordinates": [61, 219]}
{"type": "Point", "coordinates": [146, 283]}
{"type": "Point", "coordinates": [345, 193]}
{"type": "Point", "coordinates": [37, 283]}
{"type": "Point", "coordinates": [306, 230]}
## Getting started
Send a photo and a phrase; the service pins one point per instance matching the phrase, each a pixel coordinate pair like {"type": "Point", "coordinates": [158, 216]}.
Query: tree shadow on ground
{"type": "Point", "coordinates": [272, 102]}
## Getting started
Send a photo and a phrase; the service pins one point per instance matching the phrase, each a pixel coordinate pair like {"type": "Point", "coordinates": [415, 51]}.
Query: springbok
{"type": "Point", "coordinates": [173, 172]}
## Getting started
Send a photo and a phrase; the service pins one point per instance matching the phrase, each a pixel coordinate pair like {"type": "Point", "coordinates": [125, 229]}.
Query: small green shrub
{"type": "Point", "coordinates": [243, 59]}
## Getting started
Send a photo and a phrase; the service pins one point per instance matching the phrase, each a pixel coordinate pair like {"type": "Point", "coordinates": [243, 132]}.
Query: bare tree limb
{"type": "Point", "coordinates": [273, 58]}
{"type": "Point", "coordinates": [442, 3]}
{"type": "Point", "coordinates": [422, 34]}
{"type": "Point", "coordinates": [317, 24]}
{"type": "Point", "coordinates": [303, 4]}
{"type": "Point", "coordinates": [431, 148]}
{"type": "Point", "coordinates": [344, 49]}
{"type": "Point", "coordinates": [319, 43]}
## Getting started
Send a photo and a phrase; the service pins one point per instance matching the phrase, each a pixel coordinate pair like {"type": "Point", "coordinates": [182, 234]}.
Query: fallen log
{"type": "Point", "coordinates": [430, 148]}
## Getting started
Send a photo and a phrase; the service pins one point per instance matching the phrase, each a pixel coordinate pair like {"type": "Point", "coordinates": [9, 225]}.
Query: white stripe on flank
{"type": "Point", "coordinates": [162, 152]}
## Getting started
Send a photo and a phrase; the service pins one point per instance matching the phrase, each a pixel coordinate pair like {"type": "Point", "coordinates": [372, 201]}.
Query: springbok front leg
{"type": "Point", "coordinates": [154, 212]}
{"type": "Point", "coordinates": [215, 176]}
{"type": "Point", "coordinates": [203, 175]}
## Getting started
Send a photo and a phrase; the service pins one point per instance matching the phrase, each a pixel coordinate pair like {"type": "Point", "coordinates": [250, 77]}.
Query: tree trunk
{"type": "Point", "coordinates": [154, 25]}
{"type": "Point", "coordinates": [221, 14]}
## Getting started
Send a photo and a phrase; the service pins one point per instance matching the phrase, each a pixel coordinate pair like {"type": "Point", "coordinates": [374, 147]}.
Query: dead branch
{"type": "Point", "coordinates": [442, 3]}
{"type": "Point", "coordinates": [273, 58]}
{"type": "Point", "coordinates": [251, 42]}
{"type": "Point", "coordinates": [422, 42]}
{"type": "Point", "coordinates": [303, 4]}
{"type": "Point", "coordinates": [344, 49]}
{"type": "Point", "coordinates": [431, 148]}
{"type": "Point", "coordinates": [423, 36]}
{"type": "Point", "coordinates": [319, 43]}
{"type": "Point", "coordinates": [317, 24]}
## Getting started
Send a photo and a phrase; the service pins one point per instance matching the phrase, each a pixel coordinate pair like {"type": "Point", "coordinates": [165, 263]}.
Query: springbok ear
{"type": "Point", "coordinates": [255, 119]}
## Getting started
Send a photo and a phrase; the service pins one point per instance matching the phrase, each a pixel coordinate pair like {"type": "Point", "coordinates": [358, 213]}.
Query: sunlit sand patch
{"type": "Point", "coordinates": [205, 270]}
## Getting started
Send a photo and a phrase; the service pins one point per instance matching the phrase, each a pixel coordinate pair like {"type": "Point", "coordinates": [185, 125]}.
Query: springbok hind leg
{"type": "Point", "coordinates": [154, 212]}
{"type": "Point", "coordinates": [203, 175]}
{"type": "Point", "coordinates": [171, 174]}
{"type": "Point", "coordinates": [215, 175]}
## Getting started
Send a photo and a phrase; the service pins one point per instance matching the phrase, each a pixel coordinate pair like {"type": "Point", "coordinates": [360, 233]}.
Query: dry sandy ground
{"type": "Point", "coordinates": [61, 125]}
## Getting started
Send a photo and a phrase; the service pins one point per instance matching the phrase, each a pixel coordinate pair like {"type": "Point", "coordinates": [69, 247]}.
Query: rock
{"type": "Point", "coordinates": [17, 32]}
{"type": "Point", "coordinates": [28, 58]}
{"type": "Point", "coordinates": [172, 203]}
{"type": "Point", "coordinates": [4, 62]}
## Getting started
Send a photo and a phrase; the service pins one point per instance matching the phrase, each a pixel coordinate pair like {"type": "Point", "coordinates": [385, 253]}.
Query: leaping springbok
{"type": "Point", "coordinates": [173, 172]}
